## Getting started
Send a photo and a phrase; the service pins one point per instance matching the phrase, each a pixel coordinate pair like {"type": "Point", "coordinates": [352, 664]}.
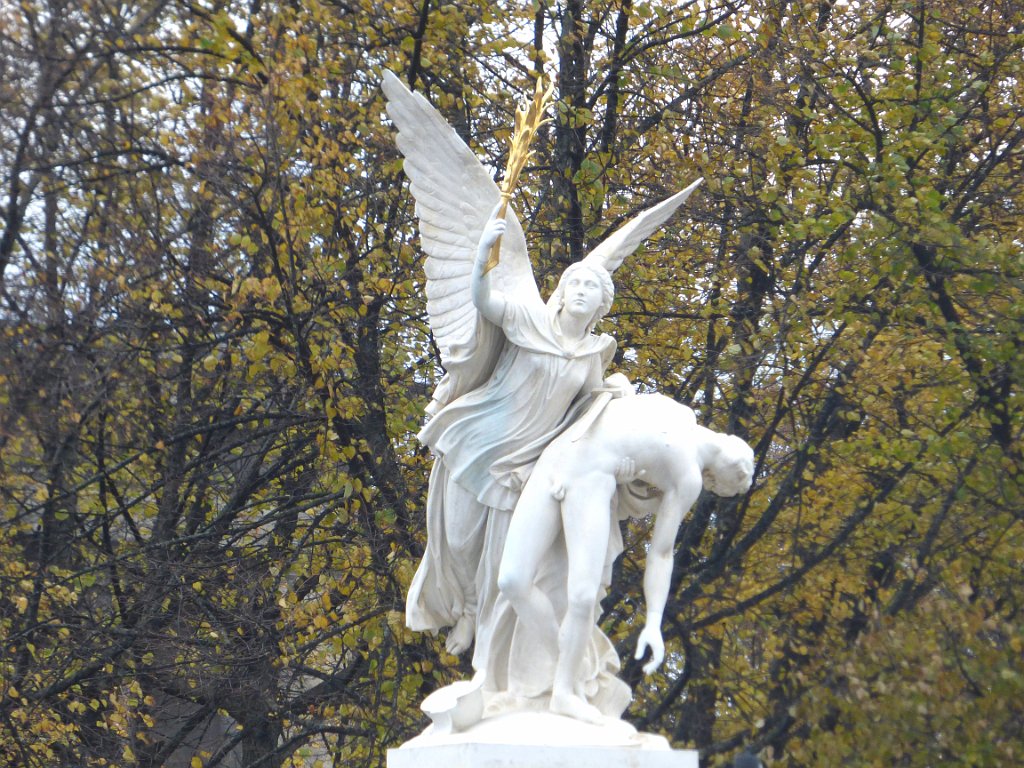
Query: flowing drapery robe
{"type": "Point", "coordinates": [485, 443]}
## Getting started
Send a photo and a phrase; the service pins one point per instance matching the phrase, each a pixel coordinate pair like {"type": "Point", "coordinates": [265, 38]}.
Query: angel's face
{"type": "Point", "coordinates": [582, 293]}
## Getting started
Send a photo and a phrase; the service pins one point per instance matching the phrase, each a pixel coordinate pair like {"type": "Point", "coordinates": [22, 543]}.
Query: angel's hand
{"type": "Point", "coordinates": [619, 384]}
{"type": "Point", "coordinates": [493, 230]}
{"type": "Point", "coordinates": [626, 471]}
{"type": "Point", "coordinates": [650, 638]}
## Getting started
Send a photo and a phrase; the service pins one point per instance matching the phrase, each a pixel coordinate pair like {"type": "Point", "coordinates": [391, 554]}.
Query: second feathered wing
{"type": "Point", "coordinates": [617, 246]}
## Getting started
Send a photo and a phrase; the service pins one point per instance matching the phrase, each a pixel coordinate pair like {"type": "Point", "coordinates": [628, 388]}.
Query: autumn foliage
{"type": "Point", "coordinates": [214, 359]}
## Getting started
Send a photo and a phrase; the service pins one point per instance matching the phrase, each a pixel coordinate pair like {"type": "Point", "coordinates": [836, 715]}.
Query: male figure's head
{"type": "Point", "coordinates": [731, 469]}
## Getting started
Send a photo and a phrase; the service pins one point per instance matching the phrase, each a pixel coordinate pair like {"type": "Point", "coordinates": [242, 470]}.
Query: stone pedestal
{"type": "Point", "coordinates": [540, 740]}
{"type": "Point", "coordinates": [533, 756]}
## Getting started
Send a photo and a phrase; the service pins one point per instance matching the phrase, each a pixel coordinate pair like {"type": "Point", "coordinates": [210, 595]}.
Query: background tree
{"type": "Point", "coordinates": [214, 359]}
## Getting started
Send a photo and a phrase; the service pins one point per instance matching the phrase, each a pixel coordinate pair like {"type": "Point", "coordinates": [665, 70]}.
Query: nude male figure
{"type": "Point", "coordinates": [573, 489]}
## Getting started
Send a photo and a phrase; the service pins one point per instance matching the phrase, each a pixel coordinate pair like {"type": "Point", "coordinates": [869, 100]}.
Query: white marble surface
{"type": "Point", "coordinates": [541, 740]}
{"type": "Point", "coordinates": [530, 756]}
{"type": "Point", "coordinates": [521, 374]}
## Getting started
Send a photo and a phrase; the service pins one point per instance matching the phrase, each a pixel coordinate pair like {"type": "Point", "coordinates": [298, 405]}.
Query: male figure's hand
{"type": "Point", "coordinates": [651, 638]}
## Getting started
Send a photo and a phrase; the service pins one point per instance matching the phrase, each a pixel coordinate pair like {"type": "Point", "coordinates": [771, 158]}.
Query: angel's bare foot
{"type": "Point", "coordinates": [461, 635]}
{"type": "Point", "coordinates": [575, 707]}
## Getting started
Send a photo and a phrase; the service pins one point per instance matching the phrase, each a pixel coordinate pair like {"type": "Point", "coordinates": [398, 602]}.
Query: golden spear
{"type": "Point", "coordinates": [529, 118]}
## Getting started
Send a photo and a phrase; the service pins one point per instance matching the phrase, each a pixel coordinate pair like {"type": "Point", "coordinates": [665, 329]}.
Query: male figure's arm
{"type": "Point", "coordinates": [675, 503]}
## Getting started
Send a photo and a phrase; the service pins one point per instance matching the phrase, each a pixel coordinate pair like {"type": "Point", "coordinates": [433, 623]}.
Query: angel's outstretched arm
{"type": "Point", "coordinates": [488, 300]}
{"type": "Point", "coordinates": [454, 193]}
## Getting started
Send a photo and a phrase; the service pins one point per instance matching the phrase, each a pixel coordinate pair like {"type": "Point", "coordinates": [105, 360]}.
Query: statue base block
{"type": "Point", "coordinates": [537, 756]}
{"type": "Point", "coordinates": [540, 740]}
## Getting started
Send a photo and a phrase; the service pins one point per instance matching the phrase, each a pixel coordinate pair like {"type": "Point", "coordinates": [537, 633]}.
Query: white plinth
{"type": "Point", "coordinates": [541, 740]}
{"type": "Point", "coordinates": [532, 756]}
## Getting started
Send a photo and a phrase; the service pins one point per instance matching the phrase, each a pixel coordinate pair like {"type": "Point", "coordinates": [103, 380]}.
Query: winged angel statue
{"type": "Point", "coordinates": [519, 372]}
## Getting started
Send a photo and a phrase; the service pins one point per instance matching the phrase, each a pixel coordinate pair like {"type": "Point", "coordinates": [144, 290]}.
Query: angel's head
{"type": "Point", "coordinates": [583, 276]}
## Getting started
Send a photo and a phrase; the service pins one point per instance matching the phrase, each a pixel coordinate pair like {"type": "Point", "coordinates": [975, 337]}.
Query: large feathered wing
{"type": "Point", "coordinates": [454, 196]}
{"type": "Point", "coordinates": [613, 249]}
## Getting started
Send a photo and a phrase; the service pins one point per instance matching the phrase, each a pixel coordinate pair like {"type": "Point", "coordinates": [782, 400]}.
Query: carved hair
{"type": "Point", "coordinates": [731, 470]}
{"type": "Point", "coordinates": [603, 277]}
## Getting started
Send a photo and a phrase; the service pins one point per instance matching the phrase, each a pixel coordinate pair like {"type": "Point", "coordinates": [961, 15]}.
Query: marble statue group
{"type": "Point", "coordinates": [538, 451]}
